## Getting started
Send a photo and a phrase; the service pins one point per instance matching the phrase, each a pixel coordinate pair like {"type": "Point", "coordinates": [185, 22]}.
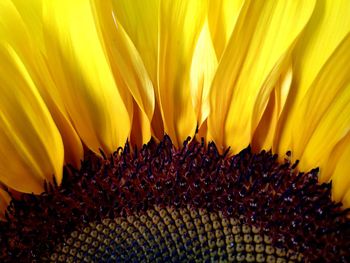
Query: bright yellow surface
{"type": "Point", "coordinates": [84, 76]}
{"type": "Point", "coordinates": [31, 145]}
{"type": "Point", "coordinates": [253, 60]}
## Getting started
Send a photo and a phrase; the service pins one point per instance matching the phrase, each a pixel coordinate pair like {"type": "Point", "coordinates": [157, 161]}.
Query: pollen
{"type": "Point", "coordinates": [163, 204]}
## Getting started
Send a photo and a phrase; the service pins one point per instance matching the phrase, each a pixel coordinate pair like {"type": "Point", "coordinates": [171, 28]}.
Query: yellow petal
{"type": "Point", "coordinates": [31, 146]}
{"type": "Point", "coordinates": [31, 13]}
{"type": "Point", "coordinates": [141, 130]}
{"type": "Point", "coordinates": [202, 132]}
{"type": "Point", "coordinates": [339, 170]}
{"type": "Point", "coordinates": [73, 148]}
{"type": "Point", "coordinates": [346, 199]}
{"type": "Point", "coordinates": [250, 67]}
{"type": "Point", "coordinates": [222, 16]}
{"type": "Point", "coordinates": [19, 23]}
{"type": "Point", "coordinates": [140, 20]}
{"type": "Point", "coordinates": [157, 121]}
{"type": "Point", "coordinates": [322, 97]}
{"type": "Point", "coordinates": [204, 64]}
{"type": "Point", "coordinates": [327, 27]}
{"type": "Point", "coordinates": [85, 81]}
{"type": "Point", "coordinates": [126, 63]}
{"type": "Point", "coordinates": [265, 132]}
{"type": "Point", "coordinates": [330, 129]}
{"type": "Point", "coordinates": [180, 24]}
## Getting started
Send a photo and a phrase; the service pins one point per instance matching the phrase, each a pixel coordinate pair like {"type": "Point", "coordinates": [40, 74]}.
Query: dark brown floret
{"type": "Point", "coordinates": [289, 207]}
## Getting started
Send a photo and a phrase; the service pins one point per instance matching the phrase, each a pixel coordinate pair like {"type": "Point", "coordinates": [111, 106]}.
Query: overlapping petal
{"type": "Point", "coordinates": [326, 29]}
{"type": "Point", "coordinates": [252, 63]}
{"type": "Point", "coordinates": [326, 105]}
{"type": "Point", "coordinates": [265, 132]}
{"type": "Point", "coordinates": [31, 50]}
{"type": "Point", "coordinates": [80, 67]}
{"type": "Point", "coordinates": [127, 66]}
{"type": "Point", "coordinates": [203, 68]}
{"type": "Point", "coordinates": [31, 145]}
{"type": "Point", "coordinates": [180, 24]}
{"type": "Point", "coordinates": [222, 17]}
{"type": "Point", "coordinates": [338, 167]}
{"type": "Point", "coordinates": [140, 20]}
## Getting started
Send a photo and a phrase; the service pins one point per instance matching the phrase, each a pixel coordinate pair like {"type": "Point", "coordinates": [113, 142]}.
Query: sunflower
{"type": "Point", "coordinates": [183, 131]}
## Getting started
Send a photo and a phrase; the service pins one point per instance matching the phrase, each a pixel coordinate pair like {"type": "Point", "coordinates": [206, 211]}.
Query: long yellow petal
{"type": "Point", "coordinates": [180, 24]}
{"type": "Point", "coordinates": [30, 12]}
{"type": "Point", "coordinates": [250, 67]}
{"type": "Point", "coordinates": [73, 148]}
{"type": "Point", "coordinates": [330, 129]}
{"type": "Point", "coordinates": [203, 68]}
{"type": "Point", "coordinates": [81, 70]}
{"type": "Point", "coordinates": [326, 29]}
{"type": "Point", "coordinates": [140, 20]}
{"type": "Point", "coordinates": [31, 146]}
{"type": "Point", "coordinates": [141, 131]}
{"type": "Point", "coordinates": [265, 132]}
{"type": "Point", "coordinates": [338, 167]}
{"type": "Point", "coordinates": [20, 21]}
{"type": "Point", "coordinates": [329, 147]}
{"type": "Point", "coordinates": [321, 98]}
{"type": "Point", "coordinates": [346, 199]}
{"type": "Point", "coordinates": [126, 63]}
{"type": "Point", "coordinates": [222, 17]}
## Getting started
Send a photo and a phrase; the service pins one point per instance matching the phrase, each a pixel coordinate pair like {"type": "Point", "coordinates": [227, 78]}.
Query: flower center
{"type": "Point", "coordinates": [171, 235]}
{"type": "Point", "coordinates": [193, 203]}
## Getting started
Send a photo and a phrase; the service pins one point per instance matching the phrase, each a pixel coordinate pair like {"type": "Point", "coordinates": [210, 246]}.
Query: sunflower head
{"type": "Point", "coordinates": [174, 130]}
{"type": "Point", "coordinates": [162, 204]}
